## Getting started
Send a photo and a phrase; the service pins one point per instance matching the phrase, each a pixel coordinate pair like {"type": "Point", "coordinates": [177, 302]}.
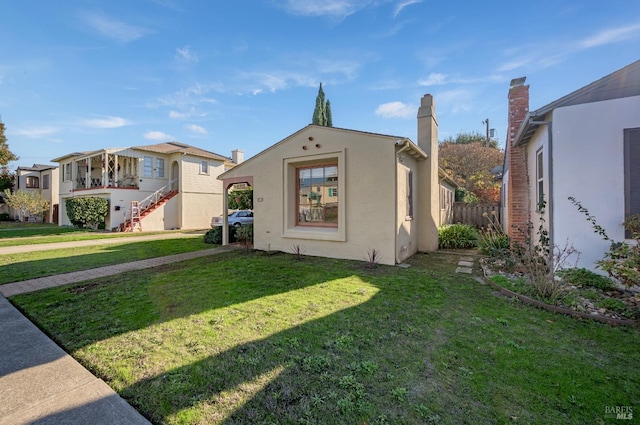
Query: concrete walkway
{"type": "Point", "coordinates": [39, 382]}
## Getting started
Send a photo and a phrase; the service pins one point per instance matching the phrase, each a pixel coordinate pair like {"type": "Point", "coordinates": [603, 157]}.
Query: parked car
{"type": "Point", "coordinates": [236, 218]}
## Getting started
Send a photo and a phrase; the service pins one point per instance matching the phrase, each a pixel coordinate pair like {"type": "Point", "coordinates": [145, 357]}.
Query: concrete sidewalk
{"type": "Point", "coordinates": [39, 382]}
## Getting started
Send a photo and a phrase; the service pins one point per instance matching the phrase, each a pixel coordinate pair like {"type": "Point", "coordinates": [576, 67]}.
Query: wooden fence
{"type": "Point", "coordinates": [473, 215]}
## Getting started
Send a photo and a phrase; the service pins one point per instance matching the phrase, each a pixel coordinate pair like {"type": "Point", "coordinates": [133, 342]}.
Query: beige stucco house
{"type": "Point", "coordinates": [41, 178]}
{"type": "Point", "coordinates": [342, 193]}
{"type": "Point", "coordinates": [174, 184]}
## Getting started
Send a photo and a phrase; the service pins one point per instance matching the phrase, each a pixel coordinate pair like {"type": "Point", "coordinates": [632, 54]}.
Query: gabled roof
{"type": "Point", "coordinates": [165, 148]}
{"type": "Point", "coordinates": [37, 167]}
{"type": "Point", "coordinates": [412, 149]}
{"type": "Point", "coordinates": [175, 147]}
{"type": "Point", "coordinates": [624, 82]}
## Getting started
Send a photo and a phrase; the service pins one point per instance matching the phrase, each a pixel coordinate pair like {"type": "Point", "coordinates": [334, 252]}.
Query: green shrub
{"type": "Point", "coordinates": [457, 236]}
{"type": "Point", "coordinates": [493, 240]}
{"type": "Point", "coordinates": [5, 217]}
{"type": "Point", "coordinates": [214, 235]}
{"type": "Point", "coordinates": [87, 211]}
{"type": "Point", "coordinates": [244, 235]}
{"type": "Point", "coordinates": [612, 304]}
{"type": "Point", "coordinates": [585, 277]}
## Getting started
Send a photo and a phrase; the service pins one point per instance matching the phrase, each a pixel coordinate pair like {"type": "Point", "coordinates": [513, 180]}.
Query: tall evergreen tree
{"type": "Point", "coordinates": [322, 111]}
{"type": "Point", "coordinates": [327, 111]}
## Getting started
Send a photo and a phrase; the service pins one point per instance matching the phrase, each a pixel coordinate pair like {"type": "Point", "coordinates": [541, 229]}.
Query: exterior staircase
{"type": "Point", "coordinates": [141, 209]}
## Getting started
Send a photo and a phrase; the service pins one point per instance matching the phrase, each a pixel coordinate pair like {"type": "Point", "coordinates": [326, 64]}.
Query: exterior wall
{"type": "Point", "coordinates": [406, 226]}
{"type": "Point", "coordinates": [200, 193]}
{"type": "Point", "coordinates": [366, 187]}
{"type": "Point", "coordinates": [163, 218]}
{"type": "Point", "coordinates": [588, 165]}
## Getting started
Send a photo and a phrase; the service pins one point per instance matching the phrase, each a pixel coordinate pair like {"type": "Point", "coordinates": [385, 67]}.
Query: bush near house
{"type": "Point", "coordinates": [457, 236]}
{"type": "Point", "coordinates": [87, 211]}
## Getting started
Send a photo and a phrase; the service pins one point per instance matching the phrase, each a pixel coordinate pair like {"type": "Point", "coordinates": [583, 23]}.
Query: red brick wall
{"type": "Point", "coordinates": [518, 191]}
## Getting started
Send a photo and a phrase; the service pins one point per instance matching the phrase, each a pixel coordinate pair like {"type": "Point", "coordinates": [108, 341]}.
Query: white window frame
{"type": "Point", "coordinates": [160, 168]}
{"type": "Point", "coordinates": [147, 166]}
{"type": "Point", "coordinates": [204, 167]}
{"type": "Point", "coordinates": [539, 178]}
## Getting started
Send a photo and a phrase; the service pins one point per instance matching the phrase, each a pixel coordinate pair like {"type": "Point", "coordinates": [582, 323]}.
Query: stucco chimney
{"type": "Point", "coordinates": [237, 156]}
{"type": "Point", "coordinates": [518, 207]}
{"type": "Point", "coordinates": [428, 186]}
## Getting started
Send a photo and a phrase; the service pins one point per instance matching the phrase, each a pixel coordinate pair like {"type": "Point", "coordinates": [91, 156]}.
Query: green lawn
{"type": "Point", "coordinates": [252, 338]}
{"type": "Point", "coordinates": [16, 234]}
{"type": "Point", "coordinates": [23, 266]}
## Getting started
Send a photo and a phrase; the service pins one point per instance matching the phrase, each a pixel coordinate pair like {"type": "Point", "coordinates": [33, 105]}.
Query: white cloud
{"type": "Point", "coordinates": [612, 35]}
{"type": "Point", "coordinates": [396, 110]}
{"type": "Point", "coordinates": [433, 79]}
{"type": "Point", "coordinates": [457, 100]}
{"type": "Point", "coordinates": [35, 132]}
{"type": "Point", "coordinates": [196, 129]}
{"type": "Point", "coordinates": [158, 136]}
{"type": "Point", "coordinates": [109, 122]}
{"type": "Point", "coordinates": [113, 29]}
{"type": "Point", "coordinates": [178, 115]}
{"type": "Point", "coordinates": [404, 4]}
{"type": "Point", "coordinates": [333, 8]}
{"type": "Point", "coordinates": [184, 54]}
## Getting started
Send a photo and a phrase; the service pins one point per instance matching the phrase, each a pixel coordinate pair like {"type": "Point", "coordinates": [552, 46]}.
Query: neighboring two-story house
{"type": "Point", "coordinates": [170, 185]}
{"type": "Point", "coordinates": [585, 145]}
{"type": "Point", "coordinates": [44, 180]}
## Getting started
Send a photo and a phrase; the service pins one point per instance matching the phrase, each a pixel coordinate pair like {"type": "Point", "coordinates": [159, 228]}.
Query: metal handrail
{"type": "Point", "coordinates": [150, 200]}
{"type": "Point", "coordinates": [155, 197]}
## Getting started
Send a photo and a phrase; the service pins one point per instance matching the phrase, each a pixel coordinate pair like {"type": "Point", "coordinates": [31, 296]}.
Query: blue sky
{"type": "Point", "coordinates": [221, 75]}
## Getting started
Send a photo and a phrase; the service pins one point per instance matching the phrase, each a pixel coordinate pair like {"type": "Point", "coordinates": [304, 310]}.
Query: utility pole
{"type": "Point", "coordinates": [487, 124]}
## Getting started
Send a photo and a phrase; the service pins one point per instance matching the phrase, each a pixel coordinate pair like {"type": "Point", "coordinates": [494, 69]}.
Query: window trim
{"type": "Point", "coordinates": [147, 169]}
{"type": "Point", "coordinates": [204, 167]}
{"type": "Point", "coordinates": [631, 135]}
{"type": "Point", "coordinates": [32, 182]}
{"type": "Point", "coordinates": [539, 179]}
{"type": "Point", "coordinates": [159, 170]}
{"type": "Point", "coordinates": [289, 227]}
{"type": "Point", "coordinates": [409, 215]}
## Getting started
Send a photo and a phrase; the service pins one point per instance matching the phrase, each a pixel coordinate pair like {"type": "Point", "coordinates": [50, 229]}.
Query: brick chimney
{"type": "Point", "coordinates": [518, 203]}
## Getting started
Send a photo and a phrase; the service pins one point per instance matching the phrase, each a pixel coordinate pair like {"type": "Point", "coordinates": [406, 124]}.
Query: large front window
{"type": "Point", "coordinates": [317, 199]}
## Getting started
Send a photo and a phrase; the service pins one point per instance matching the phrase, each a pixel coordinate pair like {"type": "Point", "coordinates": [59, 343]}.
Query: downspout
{"type": "Point", "coordinates": [550, 178]}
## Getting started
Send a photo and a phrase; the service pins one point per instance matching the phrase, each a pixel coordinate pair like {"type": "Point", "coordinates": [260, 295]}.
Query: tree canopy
{"type": "Point", "coordinates": [6, 156]}
{"type": "Point", "coordinates": [322, 112]}
{"type": "Point", "coordinates": [469, 162]}
{"type": "Point", "coordinates": [475, 137]}
{"type": "Point", "coordinates": [27, 202]}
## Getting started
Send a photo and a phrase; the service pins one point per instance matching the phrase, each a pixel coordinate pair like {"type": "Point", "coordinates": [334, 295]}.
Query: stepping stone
{"type": "Point", "coordinates": [466, 270]}
{"type": "Point", "coordinates": [465, 263]}
{"type": "Point", "coordinates": [466, 259]}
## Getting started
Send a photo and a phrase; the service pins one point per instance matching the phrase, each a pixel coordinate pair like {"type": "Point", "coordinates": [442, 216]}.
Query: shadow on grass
{"type": "Point", "coordinates": [404, 346]}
